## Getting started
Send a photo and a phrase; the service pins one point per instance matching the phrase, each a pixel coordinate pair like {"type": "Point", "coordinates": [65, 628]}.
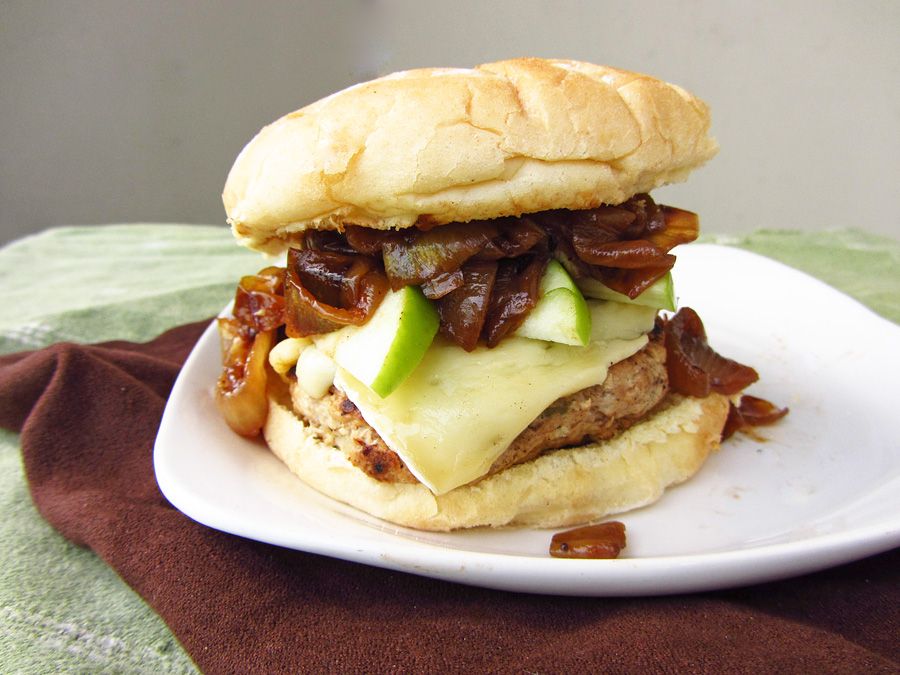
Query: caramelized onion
{"type": "Point", "coordinates": [463, 310]}
{"type": "Point", "coordinates": [241, 389]}
{"type": "Point", "coordinates": [246, 339]}
{"type": "Point", "coordinates": [437, 287]}
{"type": "Point", "coordinates": [693, 367]}
{"type": "Point", "coordinates": [602, 541]}
{"type": "Point", "coordinates": [368, 241]}
{"type": "Point", "coordinates": [259, 301]}
{"type": "Point", "coordinates": [632, 282]}
{"type": "Point", "coordinates": [752, 412]}
{"type": "Point", "coordinates": [625, 246]}
{"type": "Point", "coordinates": [421, 256]}
{"type": "Point", "coordinates": [339, 277]}
{"type": "Point", "coordinates": [515, 294]}
{"type": "Point", "coordinates": [516, 237]}
{"type": "Point", "coordinates": [681, 227]}
{"type": "Point", "coordinates": [631, 254]}
{"type": "Point", "coordinates": [649, 217]}
{"type": "Point", "coordinates": [326, 240]}
{"type": "Point", "coordinates": [324, 291]}
{"type": "Point", "coordinates": [602, 225]}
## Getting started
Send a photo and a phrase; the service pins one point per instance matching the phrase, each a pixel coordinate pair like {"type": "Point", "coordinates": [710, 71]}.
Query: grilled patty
{"type": "Point", "coordinates": [632, 389]}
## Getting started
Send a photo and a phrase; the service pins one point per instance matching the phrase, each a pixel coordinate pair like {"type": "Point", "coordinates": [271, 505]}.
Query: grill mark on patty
{"type": "Point", "coordinates": [633, 388]}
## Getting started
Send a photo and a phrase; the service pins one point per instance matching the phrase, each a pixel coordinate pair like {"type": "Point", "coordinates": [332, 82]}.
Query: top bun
{"type": "Point", "coordinates": [443, 145]}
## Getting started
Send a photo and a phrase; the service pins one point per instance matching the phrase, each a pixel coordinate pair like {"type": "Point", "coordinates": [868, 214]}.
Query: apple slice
{"type": "Point", "coordinates": [561, 314]}
{"type": "Point", "coordinates": [619, 321]}
{"type": "Point", "coordinates": [661, 295]}
{"type": "Point", "coordinates": [388, 347]}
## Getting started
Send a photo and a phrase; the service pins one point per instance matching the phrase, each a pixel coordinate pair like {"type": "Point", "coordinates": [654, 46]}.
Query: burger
{"type": "Point", "coordinates": [471, 319]}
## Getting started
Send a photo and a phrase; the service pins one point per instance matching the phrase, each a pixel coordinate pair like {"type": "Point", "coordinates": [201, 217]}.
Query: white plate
{"type": "Point", "coordinates": [823, 489]}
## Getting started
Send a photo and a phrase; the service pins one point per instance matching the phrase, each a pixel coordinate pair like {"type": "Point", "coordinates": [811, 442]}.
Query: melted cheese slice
{"type": "Point", "coordinates": [458, 411]}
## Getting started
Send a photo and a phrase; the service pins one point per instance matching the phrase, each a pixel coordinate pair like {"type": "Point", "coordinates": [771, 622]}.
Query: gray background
{"type": "Point", "coordinates": [118, 111]}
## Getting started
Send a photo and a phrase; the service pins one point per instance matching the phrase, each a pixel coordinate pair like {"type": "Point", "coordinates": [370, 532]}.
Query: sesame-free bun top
{"type": "Point", "coordinates": [443, 145]}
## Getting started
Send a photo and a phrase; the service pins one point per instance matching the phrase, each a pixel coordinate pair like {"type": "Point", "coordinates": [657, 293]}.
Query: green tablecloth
{"type": "Point", "coordinates": [61, 608]}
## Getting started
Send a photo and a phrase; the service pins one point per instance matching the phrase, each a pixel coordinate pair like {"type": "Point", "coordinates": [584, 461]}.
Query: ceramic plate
{"type": "Point", "coordinates": [822, 488]}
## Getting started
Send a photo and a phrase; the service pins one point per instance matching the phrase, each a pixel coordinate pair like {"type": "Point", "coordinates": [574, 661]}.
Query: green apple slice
{"type": "Point", "coordinates": [561, 314]}
{"type": "Point", "coordinates": [389, 346]}
{"type": "Point", "coordinates": [661, 295]}
{"type": "Point", "coordinates": [619, 321]}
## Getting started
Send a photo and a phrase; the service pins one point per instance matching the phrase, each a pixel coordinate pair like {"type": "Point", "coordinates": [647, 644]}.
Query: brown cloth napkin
{"type": "Point", "coordinates": [88, 417]}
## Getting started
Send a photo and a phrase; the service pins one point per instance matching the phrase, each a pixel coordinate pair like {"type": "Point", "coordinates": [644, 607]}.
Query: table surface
{"type": "Point", "coordinates": [61, 608]}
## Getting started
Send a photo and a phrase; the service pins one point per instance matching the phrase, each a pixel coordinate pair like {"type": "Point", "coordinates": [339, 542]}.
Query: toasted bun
{"type": "Point", "coordinates": [448, 145]}
{"type": "Point", "coordinates": [557, 489]}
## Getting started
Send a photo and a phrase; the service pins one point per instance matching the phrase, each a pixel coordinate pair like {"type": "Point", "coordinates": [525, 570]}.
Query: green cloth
{"type": "Point", "coordinates": [64, 610]}
{"type": "Point", "coordinates": [864, 266]}
{"type": "Point", "coordinates": [61, 608]}
{"type": "Point", "coordinates": [115, 282]}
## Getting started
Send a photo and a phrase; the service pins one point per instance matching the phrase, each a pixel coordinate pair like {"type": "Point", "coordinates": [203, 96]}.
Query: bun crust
{"type": "Point", "coordinates": [558, 489]}
{"type": "Point", "coordinates": [447, 145]}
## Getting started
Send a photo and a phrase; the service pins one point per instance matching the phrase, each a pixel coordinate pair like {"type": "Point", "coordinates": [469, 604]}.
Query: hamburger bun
{"type": "Point", "coordinates": [444, 145]}
{"type": "Point", "coordinates": [558, 489]}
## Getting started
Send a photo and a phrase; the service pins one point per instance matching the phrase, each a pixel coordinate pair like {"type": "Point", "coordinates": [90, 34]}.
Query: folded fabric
{"type": "Point", "coordinates": [88, 417]}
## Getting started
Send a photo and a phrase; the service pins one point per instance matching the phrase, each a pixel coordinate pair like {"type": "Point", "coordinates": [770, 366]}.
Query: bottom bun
{"type": "Point", "coordinates": [558, 489]}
